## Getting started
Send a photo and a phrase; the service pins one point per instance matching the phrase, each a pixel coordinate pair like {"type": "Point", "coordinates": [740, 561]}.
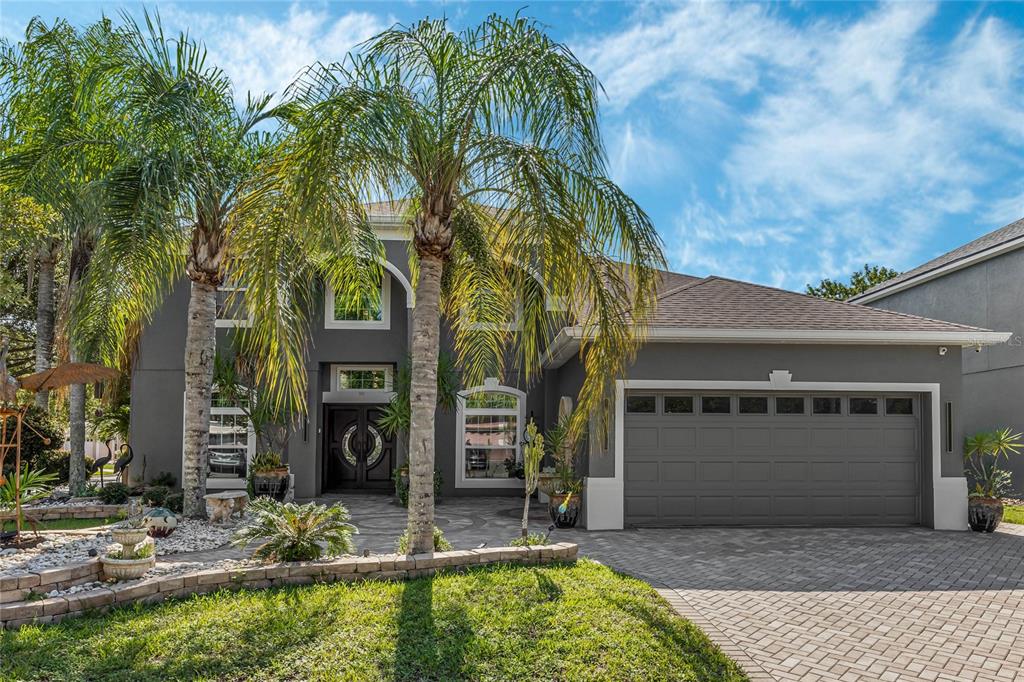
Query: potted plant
{"type": "Point", "coordinates": [564, 500]}
{"type": "Point", "coordinates": [982, 455]}
{"type": "Point", "coordinates": [133, 560]}
{"type": "Point", "coordinates": [269, 476]}
{"type": "Point", "coordinates": [130, 532]}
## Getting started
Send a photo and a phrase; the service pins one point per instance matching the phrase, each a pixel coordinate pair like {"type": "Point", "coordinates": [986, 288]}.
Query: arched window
{"type": "Point", "coordinates": [490, 426]}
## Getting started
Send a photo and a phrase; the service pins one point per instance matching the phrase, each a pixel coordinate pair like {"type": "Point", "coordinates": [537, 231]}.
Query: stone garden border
{"type": "Point", "coordinates": [17, 586]}
{"type": "Point", "coordinates": [376, 567]}
{"type": "Point", "coordinates": [69, 511]}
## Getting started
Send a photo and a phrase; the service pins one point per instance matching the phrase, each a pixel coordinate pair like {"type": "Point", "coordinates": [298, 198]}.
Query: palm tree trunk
{"type": "Point", "coordinates": [426, 321]}
{"type": "Point", "coordinates": [79, 262]}
{"type": "Point", "coordinates": [76, 417]}
{"type": "Point", "coordinates": [44, 315]}
{"type": "Point", "coordinates": [200, 347]}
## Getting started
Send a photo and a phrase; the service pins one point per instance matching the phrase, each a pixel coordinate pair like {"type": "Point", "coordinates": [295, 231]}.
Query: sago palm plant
{"type": "Point", "coordinates": [488, 142]}
{"type": "Point", "coordinates": [294, 532]}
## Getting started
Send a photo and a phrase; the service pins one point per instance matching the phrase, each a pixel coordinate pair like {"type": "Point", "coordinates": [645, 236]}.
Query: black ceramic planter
{"type": "Point", "coordinates": [274, 485]}
{"type": "Point", "coordinates": [984, 514]}
{"type": "Point", "coordinates": [570, 516]}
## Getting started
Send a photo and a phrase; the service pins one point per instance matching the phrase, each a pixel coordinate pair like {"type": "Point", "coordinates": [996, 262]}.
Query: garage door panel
{"type": "Point", "coordinates": [900, 439]}
{"type": "Point", "coordinates": [828, 472]}
{"type": "Point", "coordinates": [747, 471]}
{"type": "Point", "coordinates": [694, 469]}
{"type": "Point", "coordinates": [790, 471]}
{"type": "Point", "coordinates": [759, 438]}
{"type": "Point", "coordinates": [642, 471]}
{"type": "Point", "coordinates": [642, 438]}
{"type": "Point", "coordinates": [789, 438]}
{"type": "Point", "coordinates": [679, 471]}
{"type": "Point", "coordinates": [678, 508]}
{"type": "Point", "coordinates": [641, 507]}
{"type": "Point", "coordinates": [859, 439]}
{"type": "Point", "coordinates": [717, 438]}
{"type": "Point", "coordinates": [902, 472]}
{"type": "Point", "coordinates": [679, 438]}
{"type": "Point", "coordinates": [716, 471]}
{"type": "Point", "coordinates": [827, 438]}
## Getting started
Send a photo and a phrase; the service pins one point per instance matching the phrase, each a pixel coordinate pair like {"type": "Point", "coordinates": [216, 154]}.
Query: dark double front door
{"type": "Point", "coordinates": [357, 453]}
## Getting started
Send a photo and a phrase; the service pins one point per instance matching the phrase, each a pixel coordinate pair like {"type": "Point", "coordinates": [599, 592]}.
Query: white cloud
{"type": "Point", "coordinates": [264, 54]}
{"type": "Point", "coordinates": [638, 156]}
{"type": "Point", "coordinates": [851, 140]}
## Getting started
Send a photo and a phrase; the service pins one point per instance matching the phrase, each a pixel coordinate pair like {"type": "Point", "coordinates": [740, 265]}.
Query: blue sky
{"type": "Point", "coordinates": [777, 143]}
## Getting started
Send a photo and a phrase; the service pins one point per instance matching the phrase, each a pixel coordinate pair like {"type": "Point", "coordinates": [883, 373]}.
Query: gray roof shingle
{"type": "Point", "coordinates": [720, 303]}
{"type": "Point", "coordinates": [1014, 230]}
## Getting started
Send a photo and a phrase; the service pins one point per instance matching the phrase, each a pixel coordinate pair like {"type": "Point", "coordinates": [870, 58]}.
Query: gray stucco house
{"type": "Point", "coordinates": [980, 283]}
{"type": "Point", "coordinates": [747, 405]}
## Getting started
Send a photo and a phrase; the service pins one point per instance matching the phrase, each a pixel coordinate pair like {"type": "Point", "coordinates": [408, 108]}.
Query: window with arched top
{"type": "Point", "coordinates": [490, 423]}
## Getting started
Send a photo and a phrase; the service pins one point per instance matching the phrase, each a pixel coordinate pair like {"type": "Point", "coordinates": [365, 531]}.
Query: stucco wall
{"type": "Point", "coordinates": [158, 385]}
{"type": "Point", "coordinates": [990, 295]}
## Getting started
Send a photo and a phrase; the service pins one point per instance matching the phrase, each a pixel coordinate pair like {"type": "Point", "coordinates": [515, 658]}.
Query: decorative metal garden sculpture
{"type": "Point", "coordinates": [101, 462]}
{"type": "Point", "coordinates": [121, 465]}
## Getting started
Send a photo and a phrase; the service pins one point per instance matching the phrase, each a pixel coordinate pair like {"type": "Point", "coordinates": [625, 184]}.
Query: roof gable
{"type": "Point", "coordinates": [987, 246]}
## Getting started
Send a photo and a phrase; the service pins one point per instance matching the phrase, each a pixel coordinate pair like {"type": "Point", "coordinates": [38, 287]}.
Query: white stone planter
{"type": "Point", "coordinates": [127, 569]}
{"type": "Point", "coordinates": [129, 537]}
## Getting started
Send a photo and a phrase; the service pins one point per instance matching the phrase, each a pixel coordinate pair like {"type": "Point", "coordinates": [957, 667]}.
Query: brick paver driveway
{"type": "Point", "coordinates": [800, 604]}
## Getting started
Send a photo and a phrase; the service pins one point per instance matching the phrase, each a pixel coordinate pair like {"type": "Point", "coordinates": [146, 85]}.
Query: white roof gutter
{"type": "Point", "coordinates": [567, 342]}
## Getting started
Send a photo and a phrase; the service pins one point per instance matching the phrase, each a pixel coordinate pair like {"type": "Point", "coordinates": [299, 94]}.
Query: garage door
{"type": "Point", "coordinates": [771, 459]}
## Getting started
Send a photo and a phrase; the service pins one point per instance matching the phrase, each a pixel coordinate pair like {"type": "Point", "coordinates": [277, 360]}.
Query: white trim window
{"type": "Point", "coordinates": [364, 377]}
{"type": "Point", "coordinates": [371, 312]}
{"type": "Point", "coordinates": [231, 310]}
{"type": "Point", "coordinates": [232, 445]}
{"type": "Point", "coordinates": [490, 420]}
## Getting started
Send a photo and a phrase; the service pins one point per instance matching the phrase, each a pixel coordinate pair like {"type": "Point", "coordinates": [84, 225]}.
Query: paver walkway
{"type": "Point", "coordinates": [843, 605]}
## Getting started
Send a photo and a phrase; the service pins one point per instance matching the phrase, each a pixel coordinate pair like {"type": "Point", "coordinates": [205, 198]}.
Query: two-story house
{"type": "Point", "coordinates": [746, 405]}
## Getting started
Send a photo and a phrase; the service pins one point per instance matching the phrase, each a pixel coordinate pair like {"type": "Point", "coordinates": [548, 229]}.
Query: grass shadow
{"type": "Point", "coordinates": [432, 638]}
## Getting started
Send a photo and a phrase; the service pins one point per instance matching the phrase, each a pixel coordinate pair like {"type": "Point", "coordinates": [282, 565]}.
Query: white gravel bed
{"type": "Point", "coordinates": [71, 548]}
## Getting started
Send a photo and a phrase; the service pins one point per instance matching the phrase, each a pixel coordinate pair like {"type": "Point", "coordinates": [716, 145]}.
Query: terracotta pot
{"type": "Point", "coordinates": [129, 537]}
{"type": "Point", "coordinates": [127, 569]}
{"type": "Point", "coordinates": [984, 514]}
{"type": "Point", "coordinates": [567, 518]}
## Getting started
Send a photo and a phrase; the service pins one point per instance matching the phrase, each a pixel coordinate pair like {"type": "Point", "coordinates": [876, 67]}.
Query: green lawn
{"type": "Point", "coordinates": [496, 623]}
{"type": "Point", "coordinates": [63, 524]}
{"type": "Point", "coordinates": [1013, 514]}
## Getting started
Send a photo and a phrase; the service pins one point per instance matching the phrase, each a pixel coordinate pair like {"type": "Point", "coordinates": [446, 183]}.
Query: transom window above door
{"type": "Point", "coordinates": [363, 377]}
{"type": "Point", "coordinates": [359, 312]}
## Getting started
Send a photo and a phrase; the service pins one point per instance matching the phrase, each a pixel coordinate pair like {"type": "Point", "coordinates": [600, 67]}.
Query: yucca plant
{"type": "Point", "coordinates": [982, 453]}
{"type": "Point", "coordinates": [296, 532]}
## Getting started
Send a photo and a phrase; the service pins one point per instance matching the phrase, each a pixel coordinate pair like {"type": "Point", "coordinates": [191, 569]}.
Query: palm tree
{"type": "Point", "coordinates": [57, 150]}
{"type": "Point", "coordinates": [488, 141]}
{"type": "Point", "coordinates": [189, 153]}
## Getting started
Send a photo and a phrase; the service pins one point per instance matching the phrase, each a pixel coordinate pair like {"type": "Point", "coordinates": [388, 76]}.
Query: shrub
{"type": "Point", "coordinates": [296, 532]}
{"type": "Point", "coordinates": [266, 461]}
{"type": "Point", "coordinates": [156, 495]}
{"type": "Point", "coordinates": [166, 479]}
{"type": "Point", "coordinates": [114, 493]}
{"type": "Point", "coordinates": [531, 539]}
{"type": "Point", "coordinates": [402, 485]}
{"type": "Point", "coordinates": [56, 462]}
{"type": "Point", "coordinates": [33, 485]}
{"type": "Point", "coordinates": [175, 502]}
{"type": "Point", "coordinates": [441, 543]}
